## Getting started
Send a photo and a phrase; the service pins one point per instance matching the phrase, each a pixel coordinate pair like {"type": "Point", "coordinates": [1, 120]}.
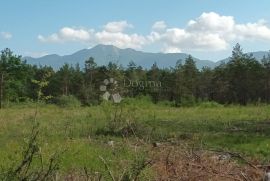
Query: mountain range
{"type": "Point", "coordinates": [103, 54]}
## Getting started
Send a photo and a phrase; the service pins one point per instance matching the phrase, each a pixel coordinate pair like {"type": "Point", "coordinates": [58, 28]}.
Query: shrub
{"type": "Point", "coordinates": [68, 101]}
{"type": "Point", "coordinates": [121, 120]}
{"type": "Point", "coordinates": [140, 101]}
{"type": "Point", "coordinates": [188, 101]}
{"type": "Point", "coordinates": [166, 103]}
{"type": "Point", "coordinates": [209, 104]}
{"type": "Point", "coordinates": [32, 166]}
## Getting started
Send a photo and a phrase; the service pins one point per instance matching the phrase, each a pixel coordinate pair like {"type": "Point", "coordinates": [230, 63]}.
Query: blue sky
{"type": "Point", "coordinates": [205, 28]}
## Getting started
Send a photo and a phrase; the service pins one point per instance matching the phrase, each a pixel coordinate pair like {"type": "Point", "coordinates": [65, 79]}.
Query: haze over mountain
{"type": "Point", "coordinates": [103, 54]}
{"type": "Point", "coordinates": [257, 55]}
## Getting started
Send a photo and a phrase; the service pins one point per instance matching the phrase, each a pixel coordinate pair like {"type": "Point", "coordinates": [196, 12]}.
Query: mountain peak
{"type": "Point", "coordinates": [103, 54]}
{"type": "Point", "coordinates": [103, 46]}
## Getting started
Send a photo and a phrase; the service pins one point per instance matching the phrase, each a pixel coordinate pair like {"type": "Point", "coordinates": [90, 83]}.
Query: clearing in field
{"type": "Point", "coordinates": [139, 140]}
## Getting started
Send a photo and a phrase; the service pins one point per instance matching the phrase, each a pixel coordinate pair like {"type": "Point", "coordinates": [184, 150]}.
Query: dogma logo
{"type": "Point", "coordinates": [110, 89]}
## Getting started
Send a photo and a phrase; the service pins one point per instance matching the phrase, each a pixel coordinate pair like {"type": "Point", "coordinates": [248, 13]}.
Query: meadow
{"type": "Point", "coordinates": [110, 138]}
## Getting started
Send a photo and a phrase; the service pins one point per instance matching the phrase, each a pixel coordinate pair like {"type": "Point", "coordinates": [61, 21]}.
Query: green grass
{"type": "Point", "coordinates": [242, 129]}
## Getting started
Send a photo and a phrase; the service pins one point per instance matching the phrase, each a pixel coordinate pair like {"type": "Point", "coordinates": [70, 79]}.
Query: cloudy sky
{"type": "Point", "coordinates": [206, 29]}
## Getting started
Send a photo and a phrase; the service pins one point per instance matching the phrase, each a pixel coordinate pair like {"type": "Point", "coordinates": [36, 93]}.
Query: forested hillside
{"type": "Point", "coordinates": [241, 80]}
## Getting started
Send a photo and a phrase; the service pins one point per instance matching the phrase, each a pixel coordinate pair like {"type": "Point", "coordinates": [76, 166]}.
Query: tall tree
{"type": "Point", "coordinates": [12, 76]}
{"type": "Point", "coordinates": [65, 73]}
{"type": "Point", "coordinates": [243, 70]}
{"type": "Point", "coordinates": [190, 76]}
{"type": "Point", "coordinates": [266, 66]}
{"type": "Point", "coordinates": [90, 85]}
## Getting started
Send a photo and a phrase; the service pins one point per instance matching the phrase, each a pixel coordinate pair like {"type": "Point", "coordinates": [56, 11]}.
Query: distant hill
{"type": "Point", "coordinates": [106, 53]}
{"type": "Point", "coordinates": [257, 55]}
{"type": "Point", "coordinates": [103, 54]}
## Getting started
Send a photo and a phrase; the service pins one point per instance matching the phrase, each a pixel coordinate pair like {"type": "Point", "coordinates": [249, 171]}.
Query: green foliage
{"type": "Point", "coordinates": [209, 104]}
{"type": "Point", "coordinates": [41, 85]}
{"type": "Point", "coordinates": [136, 168]}
{"type": "Point", "coordinates": [67, 101]}
{"type": "Point", "coordinates": [14, 77]}
{"type": "Point", "coordinates": [166, 103]}
{"type": "Point", "coordinates": [188, 101]}
{"type": "Point", "coordinates": [32, 166]}
{"type": "Point", "coordinates": [122, 120]}
{"type": "Point", "coordinates": [242, 80]}
{"type": "Point", "coordinates": [140, 101]}
{"type": "Point", "coordinates": [243, 129]}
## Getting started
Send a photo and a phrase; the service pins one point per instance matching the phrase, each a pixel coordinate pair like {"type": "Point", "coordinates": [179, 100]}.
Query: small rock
{"type": "Point", "coordinates": [111, 143]}
{"type": "Point", "coordinates": [156, 144]}
{"type": "Point", "coordinates": [267, 176]}
{"type": "Point", "coordinates": [224, 157]}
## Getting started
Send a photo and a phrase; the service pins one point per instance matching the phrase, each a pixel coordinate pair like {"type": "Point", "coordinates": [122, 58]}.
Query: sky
{"type": "Point", "coordinates": [207, 29]}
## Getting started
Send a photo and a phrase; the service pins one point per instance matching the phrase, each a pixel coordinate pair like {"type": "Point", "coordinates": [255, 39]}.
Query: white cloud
{"type": "Point", "coordinates": [159, 26]}
{"type": "Point", "coordinates": [180, 39]}
{"type": "Point", "coordinates": [111, 35]}
{"type": "Point", "coordinates": [68, 34]}
{"type": "Point", "coordinates": [6, 35]}
{"type": "Point", "coordinates": [171, 50]}
{"type": "Point", "coordinates": [211, 23]}
{"type": "Point", "coordinates": [117, 26]}
{"type": "Point", "coordinates": [120, 39]}
{"type": "Point", "coordinates": [253, 31]}
{"type": "Point", "coordinates": [208, 32]}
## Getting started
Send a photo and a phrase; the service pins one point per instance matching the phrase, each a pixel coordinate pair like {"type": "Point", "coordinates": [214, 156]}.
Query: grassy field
{"type": "Point", "coordinates": [85, 133]}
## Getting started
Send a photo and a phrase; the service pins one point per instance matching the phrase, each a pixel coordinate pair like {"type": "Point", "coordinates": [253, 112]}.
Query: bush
{"type": "Point", "coordinates": [32, 166]}
{"type": "Point", "coordinates": [166, 103]}
{"type": "Point", "coordinates": [68, 101]}
{"type": "Point", "coordinates": [188, 101]}
{"type": "Point", "coordinates": [209, 104]}
{"type": "Point", "coordinates": [140, 101]}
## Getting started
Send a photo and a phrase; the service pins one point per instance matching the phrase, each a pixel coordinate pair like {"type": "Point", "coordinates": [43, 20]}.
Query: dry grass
{"type": "Point", "coordinates": [179, 163]}
{"type": "Point", "coordinates": [173, 163]}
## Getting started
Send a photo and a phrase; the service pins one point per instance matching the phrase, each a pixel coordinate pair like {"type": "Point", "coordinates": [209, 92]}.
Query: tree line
{"type": "Point", "coordinates": [241, 80]}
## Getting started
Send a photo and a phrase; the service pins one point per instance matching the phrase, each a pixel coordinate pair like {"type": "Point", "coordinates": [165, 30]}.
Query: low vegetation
{"type": "Point", "coordinates": [129, 141]}
{"type": "Point", "coordinates": [179, 123]}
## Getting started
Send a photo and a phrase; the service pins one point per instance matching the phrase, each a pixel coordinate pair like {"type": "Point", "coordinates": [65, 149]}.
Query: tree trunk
{"type": "Point", "coordinates": [1, 89]}
{"type": "Point", "coordinates": [66, 89]}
